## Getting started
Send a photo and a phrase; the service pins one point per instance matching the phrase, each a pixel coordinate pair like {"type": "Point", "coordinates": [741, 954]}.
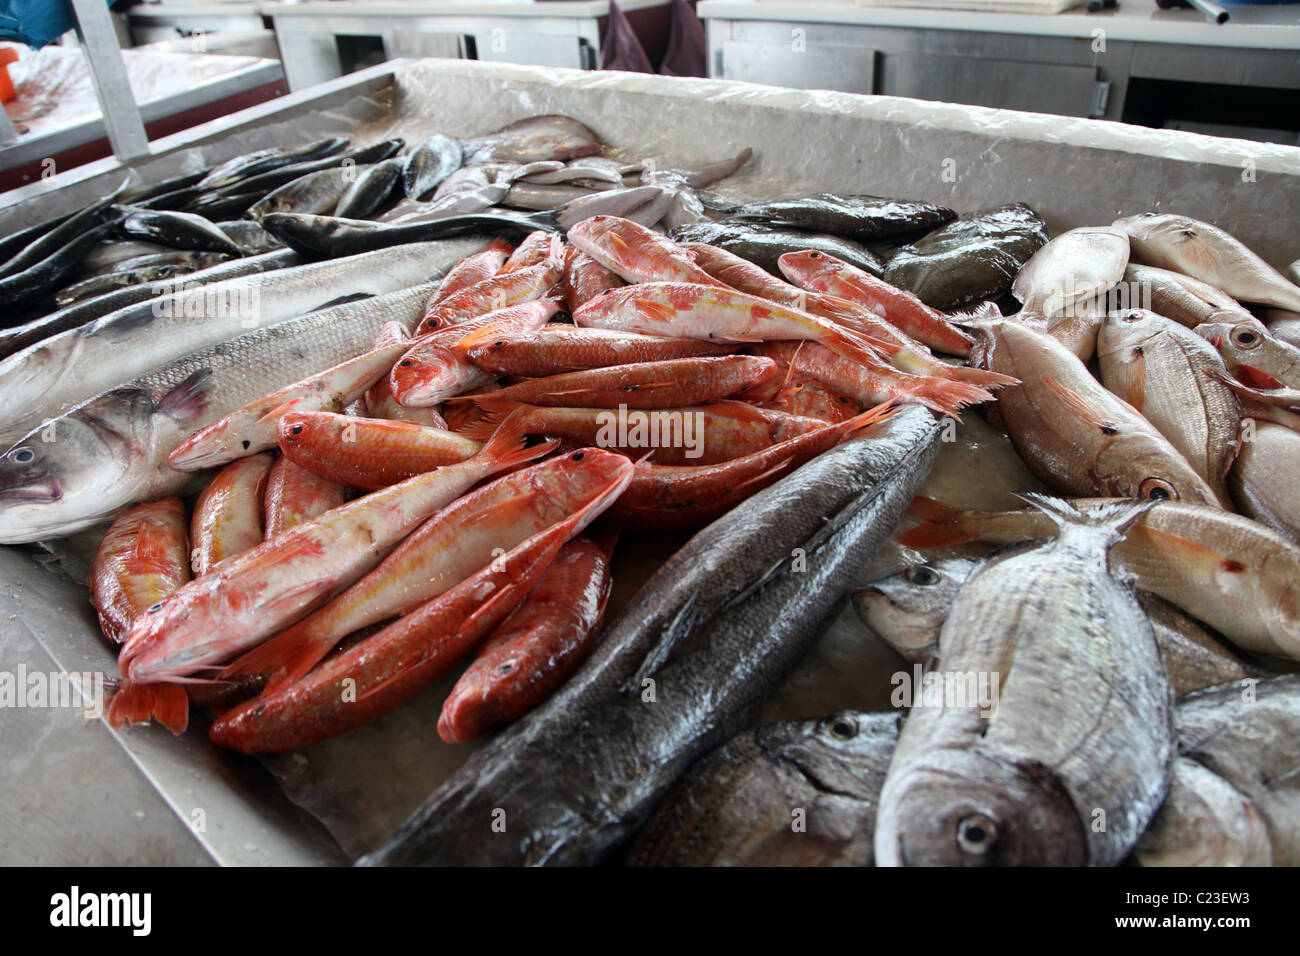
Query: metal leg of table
{"type": "Point", "coordinates": [7, 135]}
{"type": "Point", "coordinates": [126, 133]}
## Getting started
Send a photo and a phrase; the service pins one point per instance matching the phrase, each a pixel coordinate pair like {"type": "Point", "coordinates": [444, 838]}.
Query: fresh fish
{"type": "Point", "coordinates": [111, 253]}
{"type": "Point", "coordinates": [584, 279]}
{"type": "Point", "coordinates": [588, 171]}
{"type": "Point", "coordinates": [101, 285]}
{"type": "Point", "coordinates": [1022, 779]}
{"type": "Point", "coordinates": [316, 193]}
{"type": "Point", "coordinates": [1175, 379]}
{"type": "Point", "coordinates": [227, 518]}
{"type": "Point", "coordinates": [379, 401]}
{"type": "Point", "coordinates": [1244, 734]}
{"type": "Point", "coordinates": [698, 178]}
{"type": "Point", "coordinates": [1265, 478]}
{"type": "Point", "coordinates": [267, 182]}
{"type": "Point", "coordinates": [112, 450]}
{"type": "Point", "coordinates": [1072, 271]}
{"type": "Point", "coordinates": [215, 206]}
{"type": "Point", "coordinates": [865, 218]}
{"type": "Point", "coordinates": [143, 557]}
{"type": "Point", "coordinates": [1206, 252]}
{"type": "Point", "coordinates": [1285, 327]}
{"type": "Point", "coordinates": [295, 495]}
{"type": "Point", "coordinates": [535, 648]}
{"type": "Point", "coordinates": [368, 453]}
{"type": "Point", "coordinates": [542, 771]}
{"type": "Point", "coordinates": [179, 230]}
{"type": "Point", "coordinates": [472, 270]}
{"type": "Point", "coordinates": [1182, 298]}
{"type": "Point", "coordinates": [512, 289]}
{"type": "Point", "coordinates": [429, 164]}
{"type": "Point", "coordinates": [669, 384]}
{"type": "Point", "coordinates": [799, 793]}
{"type": "Point", "coordinates": [1254, 356]}
{"type": "Point", "coordinates": [45, 379]}
{"type": "Point", "coordinates": [809, 399]}
{"type": "Point", "coordinates": [635, 253]}
{"type": "Point", "coordinates": [1228, 571]}
{"type": "Point", "coordinates": [251, 238]}
{"type": "Point", "coordinates": [191, 260]}
{"type": "Point", "coordinates": [36, 281]}
{"type": "Point", "coordinates": [822, 273]}
{"type": "Point", "coordinates": [69, 232]}
{"type": "Point", "coordinates": [536, 248]}
{"type": "Point", "coordinates": [764, 245]}
{"type": "Point", "coordinates": [15, 242]}
{"type": "Point", "coordinates": [555, 349]}
{"type": "Point", "coordinates": [1074, 434]}
{"type": "Point", "coordinates": [370, 190]}
{"type": "Point", "coordinates": [531, 195]}
{"type": "Point", "coordinates": [535, 139]}
{"type": "Point", "coordinates": [970, 260]}
{"type": "Point", "coordinates": [264, 160]}
{"type": "Point", "coordinates": [328, 237]}
{"type": "Point", "coordinates": [628, 203]}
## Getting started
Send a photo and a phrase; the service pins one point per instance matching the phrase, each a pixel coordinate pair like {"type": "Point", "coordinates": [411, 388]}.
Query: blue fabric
{"type": "Point", "coordinates": [35, 22]}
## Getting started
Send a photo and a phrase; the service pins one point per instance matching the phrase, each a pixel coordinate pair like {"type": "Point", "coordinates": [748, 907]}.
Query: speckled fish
{"type": "Point", "coordinates": [1072, 271]}
{"type": "Point", "coordinates": [1234, 799]}
{"type": "Point", "coordinates": [1265, 478]}
{"type": "Point", "coordinates": [180, 230]}
{"type": "Point", "coordinates": [970, 260]}
{"type": "Point", "coordinates": [368, 453]}
{"type": "Point", "coordinates": [636, 253]}
{"type": "Point", "coordinates": [536, 648]}
{"type": "Point", "coordinates": [555, 349]}
{"type": "Point", "coordinates": [1228, 571]}
{"type": "Point", "coordinates": [370, 190]}
{"type": "Point", "coordinates": [799, 793]}
{"type": "Point", "coordinates": [491, 294]}
{"type": "Point", "coordinates": [1184, 299]}
{"type": "Point", "coordinates": [1255, 356]}
{"type": "Point", "coordinates": [1017, 775]}
{"type": "Point", "coordinates": [295, 495]}
{"type": "Point", "coordinates": [1175, 379]}
{"type": "Point", "coordinates": [99, 285]}
{"type": "Point", "coordinates": [1073, 433]}
{"type": "Point", "coordinates": [584, 279]}
{"type": "Point", "coordinates": [764, 245]}
{"type": "Point", "coordinates": [143, 557]}
{"type": "Point", "coordinates": [1210, 254]}
{"type": "Point", "coordinates": [858, 217]}
{"type": "Point", "coordinates": [534, 139]}
{"type": "Point", "coordinates": [227, 518]}
{"type": "Point", "coordinates": [430, 163]}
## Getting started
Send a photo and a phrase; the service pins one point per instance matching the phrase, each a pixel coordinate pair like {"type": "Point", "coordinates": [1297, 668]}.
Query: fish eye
{"type": "Point", "coordinates": [505, 668]}
{"type": "Point", "coordinates": [1157, 489]}
{"type": "Point", "coordinates": [977, 834]}
{"type": "Point", "coordinates": [814, 255]}
{"type": "Point", "coordinates": [1132, 316]}
{"type": "Point", "coordinates": [923, 575]}
{"type": "Point", "coordinates": [431, 324]}
{"type": "Point", "coordinates": [577, 456]}
{"type": "Point", "coordinates": [295, 429]}
{"type": "Point", "coordinates": [405, 363]}
{"type": "Point", "coordinates": [1245, 338]}
{"type": "Point", "coordinates": [154, 608]}
{"type": "Point", "coordinates": [22, 456]}
{"type": "Point", "coordinates": [843, 728]}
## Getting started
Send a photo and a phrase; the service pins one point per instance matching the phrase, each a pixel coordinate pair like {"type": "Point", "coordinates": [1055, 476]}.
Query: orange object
{"type": "Point", "coordinates": [7, 55]}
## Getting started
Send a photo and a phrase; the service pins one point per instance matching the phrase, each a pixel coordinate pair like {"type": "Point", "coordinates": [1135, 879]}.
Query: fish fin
{"type": "Point", "coordinates": [1193, 552]}
{"type": "Point", "coordinates": [1075, 402]}
{"type": "Point", "coordinates": [137, 703]}
{"type": "Point", "coordinates": [1199, 253]}
{"type": "Point", "coordinates": [284, 658]}
{"type": "Point", "coordinates": [655, 311]}
{"type": "Point", "coordinates": [979, 376]}
{"type": "Point", "coordinates": [188, 400]}
{"type": "Point", "coordinates": [674, 632]}
{"type": "Point", "coordinates": [1283, 397]}
{"type": "Point", "coordinates": [739, 410]}
{"type": "Point", "coordinates": [506, 446]}
{"type": "Point", "coordinates": [940, 525]}
{"type": "Point", "coordinates": [851, 345]}
{"type": "Point", "coordinates": [495, 412]}
{"type": "Point", "coordinates": [1134, 379]}
{"type": "Point", "coordinates": [1115, 516]}
{"type": "Point", "coordinates": [479, 336]}
{"type": "Point", "coordinates": [946, 396]}
{"type": "Point", "coordinates": [1257, 378]}
{"type": "Point", "coordinates": [153, 541]}
{"type": "Point", "coordinates": [279, 411]}
{"type": "Point", "coordinates": [620, 247]}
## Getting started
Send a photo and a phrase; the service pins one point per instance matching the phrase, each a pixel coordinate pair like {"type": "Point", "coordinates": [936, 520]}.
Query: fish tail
{"type": "Point", "coordinates": [945, 395]}
{"type": "Point", "coordinates": [979, 376]}
{"type": "Point", "coordinates": [1115, 517]}
{"type": "Point", "coordinates": [940, 525]}
{"type": "Point", "coordinates": [852, 344]}
{"type": "Point", "coordinates": [138, 703]}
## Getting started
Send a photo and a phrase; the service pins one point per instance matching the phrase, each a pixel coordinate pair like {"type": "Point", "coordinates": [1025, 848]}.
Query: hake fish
{"type": "Point", "coordinates": [1075, 726]}
{"type": "Point", "coordinates": [578, 776]}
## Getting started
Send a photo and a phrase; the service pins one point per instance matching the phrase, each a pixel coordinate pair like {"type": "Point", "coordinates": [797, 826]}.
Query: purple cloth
{"type": "Point", "coordinates": [622, 50]}
{"type": "Point", "coordinates": [686, 54]}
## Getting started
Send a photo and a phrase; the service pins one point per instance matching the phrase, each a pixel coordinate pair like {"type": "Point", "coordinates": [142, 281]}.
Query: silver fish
{"type": "Point", "coordinates": [1204, 821]}
{"type": "Point", "coordinates": [1265, 478]}
{"type": "Point", "coordinates": [1185, 299]}
{"type": "Point", "coordinates": [429, 164]}
{"type": "Point", "coordinates": [316, 193]}
{"type": "Point", "coordinates": [369, 190]}
{"type": "Point", "coordinates": [609, 202]}
{"type": "Point", "coordinates": [1072, 270]}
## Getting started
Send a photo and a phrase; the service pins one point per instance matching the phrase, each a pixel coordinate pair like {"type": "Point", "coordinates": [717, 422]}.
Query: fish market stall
{"type": "Point", "coordinates": [775, 624]}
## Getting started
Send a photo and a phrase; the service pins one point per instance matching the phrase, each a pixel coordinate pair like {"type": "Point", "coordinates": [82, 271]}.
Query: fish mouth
{"type": "Point", "coordinates": [32, 494]}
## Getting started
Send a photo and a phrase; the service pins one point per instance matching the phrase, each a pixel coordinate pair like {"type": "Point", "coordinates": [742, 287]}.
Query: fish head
{"type": "Point", "coordinates": [1149, 226]}
{"type": "Point", "coordinates": [70, 472]}
{"type": "Point", "coordinates": [1125, 329]}
{"type": "Point", "coordinates": [306, 428]}
{"type": "Point", "coordinates": [968, 807]}
{"type": "Point", "coordinates": [808, 266]}
{"type": "Point", "coordinates": [425, 369]}
{"type": "Point", "coordinates": [907, 609]}
{"type": "Point", "coordinates": [1238, 343]}
{"type": "Point", "coordinates": [845, 753]}
{"type": "Point", "coordinates": [575, 479]}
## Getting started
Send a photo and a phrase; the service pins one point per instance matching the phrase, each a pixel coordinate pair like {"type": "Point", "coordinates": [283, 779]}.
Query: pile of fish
{"type": "Point", "coordinates": [361, 448]}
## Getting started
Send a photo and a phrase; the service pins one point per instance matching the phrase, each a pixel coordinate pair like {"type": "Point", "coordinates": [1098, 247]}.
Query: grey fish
{"type": "Point", "coordinates": [98, 285]}
{"type": "Point", "coordinates": [215, 206]}
{"type": "Point", "coordinates": [429, 164]}
{"type": "Point", "coordinates": [798, 793]}
{"type": "Point", "coordinates": [326, 236]}
{"type": "Point", "coordinates": [56, 241]}
{"type": "Point", "coordinates": [861, 217]}
{"type": "Point", "coordinates": [537, 138]}
{"type": "Point", "coordinates": [112, 252]}
{"type": "Point", "coordinates": [764, 246]}
{"type": "Point", "coordinates": [68, 368]}
{"type": "Point", "coordinates": [696, 178]}
{"type": "Point", "coordinates": [370, 191]}
{"type": "Point", "coordinates": [1265, 478]}
{"type": "Point", "coordinates": [1034, 775]}
{"type": "Point", "coordinates": [179, 230]}
{"type": "Point", "coordinates": [268, 181]}
{"type": "Point", "coordinates": [251, 238]}
{"type": "Point", "coordinates": [1247, 736]}
{"type": "Point", "coordinates": [35, 281]}
{"type": "Point", "coordinates": [907, 610]}
{"type": "Point", "coordinates": [78, 314]}
{"type": "Point", "coordinates": [589, 171]}
{"type": "Point", "coordinates": [1210, 254]}
{"type": "Point", "coordinates": [609, 202]}
{"type": "Point", "coordinates": [1072, 271]}
{"type": "Point", "coordinates": [15, 242]}
{"type": "Point", "coordinates": [1186, 300]}
{"type": "Point", "coordinates": [94, 459]}
{"type": "Point", "coordinates": [316, 193]}
{"type": "Point", "coordinates": [265, 160]}
{"type": "Point", "coordinates": [529, 195]}
{"type": "Point", "coordinates": [653, 211]}
{"type": "Point", "coordinates": [579, 775]}
{"type": "Point", "coordinates": [190, 259]}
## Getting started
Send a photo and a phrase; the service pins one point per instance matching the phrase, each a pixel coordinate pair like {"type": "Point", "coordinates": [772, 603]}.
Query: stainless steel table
{"type": "Point", "coordinates": [152, 22]}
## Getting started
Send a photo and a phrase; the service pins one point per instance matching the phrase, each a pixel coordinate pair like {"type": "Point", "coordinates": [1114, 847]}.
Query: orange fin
{"type": "Point", "coordinates": [279, 411]}
{"type": "Point", "coordinates": [1135, 379]}
{"type": "Point", "coordinates": [940, 525]}
{"type": "Point", "coordinates": [136, 703]}
{"type": "Point", "coordinates": [1074, 401]}
{"type": "Point", "coordinates": [656, 311]}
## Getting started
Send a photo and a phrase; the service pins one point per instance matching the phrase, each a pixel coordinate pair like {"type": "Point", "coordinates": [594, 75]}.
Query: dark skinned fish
{"type": "Point", "coordinates": [865, 218]}
{"type": "Point", "coordinates": [327, 237]}
{"type": "Point", "coordinates": [764, 246]}
{"type": "Point", "coordinates": [266, 182]}
{"type": "Point", "coordinates": [251, 238]}
{"type": "Point", "coordinates": [370, 191]}
{"type": "Point", "coordinates": [429, 164]}
{"type": "Point", "coordinates": [314, 194]}
{"type": "Point", "coordinates": [179, 230]}
{"type": "Point", "coordinates": [577, 777]}
{"type": "Point", "coordinates": [32, 283]}
{"type": "Point", "coordinates": [51, 243]}
{"type": "Point", "coordinates": [265, 160]}
{"type": "Point", "coordinates": [799, 793]}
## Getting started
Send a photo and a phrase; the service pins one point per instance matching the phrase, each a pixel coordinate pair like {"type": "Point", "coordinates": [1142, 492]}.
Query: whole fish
{"type": "Point", "coordinates": [1020, 778]}
{"type": "Point", "coordinates": [1072, 271]}
{"type": "Point", "coordinates": [368, 453]}
{"type": "Point", "coordinates": [379, 401]}
{"type": "Point", "coordinates": [446, 550]}
{"type": "Point", "coordinates": [491, 294]}
{"type": "Point", "coordinates": [1206, 252]}
{"type": "Point", "coordinates": [370, 189]}
{"type": "Point", "coordinates": [112, 450]}
{"type": "Point", "coordinates": [46, 276]}
{"type": "Point", "coordinates": [590, 171]}
{"type": "Point", "coordinates": [541, 772]}
{"type": "Point", "coordinates": [15, 242]}
{"type": "Point", "coordinates": [1265, 478]}
{"type": "Point", "coordinates": [584, 279]}
{"type": "Point", "coordinates": [535, 648]}
{"type": "Point", "coordinates": [295, 495]}
{"type": "Point", "coordinates": [863, 218]}
{"type": "Point", "coordinates": [715, 314]}
{"type": "Point", "coordinates": [907, 610]}
{"type": "Point", "coordinates": [45, 379]}
{"type": "Point", "coordinates": [251, 238]}
{"type": "Point", "coordinates": [265, 160]}
{"type": "Point", "coordinates": [970, 260]}
{"type": "Point", "coordinates": [1255, 356]}
{"type": "Point", "coordinates": [179, 230]}
{"type": "Point", "coordinates": [270, 180]}
{"type": "Point", "coordinates": [187, 259]}
{"type": "Point", "coordinates": [535, 249]}
{"type": "Point", "coordinates": [143, 557]}
{"type": "Point", "coordinates": [535, 139]}
{"type": "Point", "coordinates": [316, 193]}
{"type": "Point", "coordinates": [799, 793]}
{"type": "Point", "coordinates": [1182, 298]}
{"type": "Point", "coordinates": [472, 270]}
{"type": "Point", "coordinates": [822, 273]}
{"type": "Point", "coordinates": [251, 428]}
{"type": "Point", "coordinates": [1074, 434]}
{"type": "Point", "coordinates": [669, 384]}
{"type": "Point", "coordinates": [430, 163]}
{"type": "Point", "coordinates": [1228, 571]}
{"type": "Point", "coordinates": [702, 435]}
{"type": "Point", "coordinates": [555, 349]}
{"type": "Point", "coordinates": [319, 237]}
{"type": "Point", "coordinates": [635, 253]}
{"type": "Point", "coordinates": [637, 205]}
{"type": "Point", "coordinates": [266, 589]}
{"type": "Point", "coordinates": [1175, 379]}
{"type": "Point", "coordinates": [534, 196]}
{"type": "Point", "coordinates": [764, 245]}
{"type": "Point", "coordinates": [1244, 734]}
{"type": "Point", "coordinates": [227, 518]}
{"type": "Point", "coordinates": [111, 253]}
{"type": "Point", "coordinates": [55, 241]}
